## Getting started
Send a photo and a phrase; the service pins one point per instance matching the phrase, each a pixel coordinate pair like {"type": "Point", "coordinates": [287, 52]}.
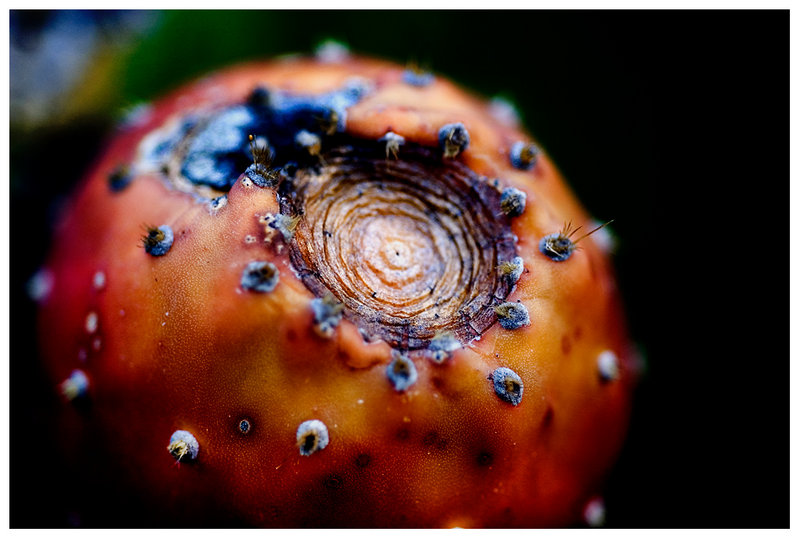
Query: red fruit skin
{"type": "Point", "coordinates": [182, 346]}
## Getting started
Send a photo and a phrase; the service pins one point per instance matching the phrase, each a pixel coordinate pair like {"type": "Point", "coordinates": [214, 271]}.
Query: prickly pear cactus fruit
{"type": "Point", "coordinates": [336, 292]}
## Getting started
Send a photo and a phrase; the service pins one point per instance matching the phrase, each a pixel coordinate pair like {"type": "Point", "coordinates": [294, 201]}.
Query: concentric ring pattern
{"type": "Point", "coordinates": [410, 246]}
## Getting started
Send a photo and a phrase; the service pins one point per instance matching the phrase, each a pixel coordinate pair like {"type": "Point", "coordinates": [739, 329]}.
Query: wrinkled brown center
{"type": "Point", "coordinates": [409, 246]}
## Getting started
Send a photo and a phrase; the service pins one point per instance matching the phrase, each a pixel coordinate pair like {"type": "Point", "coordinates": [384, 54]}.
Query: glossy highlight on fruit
{"type": "Point", "coordinates": [343, 309]}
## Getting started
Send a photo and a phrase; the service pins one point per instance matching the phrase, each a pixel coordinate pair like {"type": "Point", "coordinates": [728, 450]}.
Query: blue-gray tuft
{"type": "Point", "coordinates": [312, 436]}
{"type": "Point", "coordinates": [512, 315]}
{"type": "Point", "coordinates": [260, 276]}
{"type": "Point", "coordinates": [508, 385]}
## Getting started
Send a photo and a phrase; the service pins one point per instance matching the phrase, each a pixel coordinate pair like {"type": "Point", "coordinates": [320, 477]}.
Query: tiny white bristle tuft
{"type": "Point", "coordinates": [594, 514]}
{"type": "Point", "coordinates": [608, 365]}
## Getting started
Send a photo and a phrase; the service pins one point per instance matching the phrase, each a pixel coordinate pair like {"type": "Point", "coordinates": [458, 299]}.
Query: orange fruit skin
{"type": "Point", "coordinates": [179, 345]}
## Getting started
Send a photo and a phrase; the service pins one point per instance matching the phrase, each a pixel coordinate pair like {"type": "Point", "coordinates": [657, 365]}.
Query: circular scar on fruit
{"type": "Point", "coordinates": [337, 292]}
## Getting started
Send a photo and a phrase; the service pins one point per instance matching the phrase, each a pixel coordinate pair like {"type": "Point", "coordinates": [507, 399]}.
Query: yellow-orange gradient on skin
{"type": "Point", "coordinates": [368, 378]}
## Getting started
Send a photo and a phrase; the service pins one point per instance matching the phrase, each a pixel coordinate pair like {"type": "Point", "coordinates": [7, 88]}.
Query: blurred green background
{"type": "Point", "coordinates": [640, 110]}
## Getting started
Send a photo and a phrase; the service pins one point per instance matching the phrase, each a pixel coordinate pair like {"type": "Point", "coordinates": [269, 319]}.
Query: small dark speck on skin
{"type": "Point", "coordinates": [363, 460]}
{"type": "Point", "coordinates": [430, 438]}
{"type": "Point", "coordinates": [548, 417]}
{"type": "Point", "coordinates": [485, 458]}
{"type": "Point", "coordinates": [402, 434]}
{"type": "Point", "coordinates": [334, 482]}
{"type": "Point", "coordinates": [566, 345]}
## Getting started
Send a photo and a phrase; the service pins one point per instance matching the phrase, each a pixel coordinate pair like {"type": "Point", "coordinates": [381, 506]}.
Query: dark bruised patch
{"type": "Point", "coordinates": [216, 150]}
{"type": "Point", "coordinates": [484, 458]}
{"type": "Point", "coordinates": [333, 482]}
{"type": "Point", "coordinates": [211, 148]}
{"type": "Point", "coordinates": [363, 460]}
{"type": "Point", "coordinates": [430, 439]}
{"type": "Point", "coordinates": [566, 345]}
{"type": "Point", "coordinates": [547, 420]}
{"type": "Point", "coordinates": [402, 434]}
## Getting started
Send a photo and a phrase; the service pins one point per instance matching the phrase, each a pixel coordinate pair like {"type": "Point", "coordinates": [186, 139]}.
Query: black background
{"type": "Point", "coordinates": [674, 123]}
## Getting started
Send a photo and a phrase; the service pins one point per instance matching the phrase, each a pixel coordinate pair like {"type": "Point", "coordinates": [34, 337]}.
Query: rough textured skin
{"type": "Point", "coordinates": [178, 345]}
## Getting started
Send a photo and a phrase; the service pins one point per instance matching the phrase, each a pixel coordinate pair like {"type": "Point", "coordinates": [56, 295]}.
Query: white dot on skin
{"type": "Point", "coordinates": [608, 365]}
{"type": "Point", "coordinates": [504, 111]}
{"type": "Point", "coordinates": [91, 322]}
{"type": "Point", "coordinates": [595, 512]}
{"type": "Point", "coordinates": [99, 280]}
{"type": "Point", "coordinates": [331, 52]}
{"type": "Point", "coordinates": [40, 285]}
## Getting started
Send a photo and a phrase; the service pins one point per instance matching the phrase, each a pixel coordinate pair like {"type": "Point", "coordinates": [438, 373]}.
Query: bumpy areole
{"type": "Point", "coordinates": [338, 312]}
